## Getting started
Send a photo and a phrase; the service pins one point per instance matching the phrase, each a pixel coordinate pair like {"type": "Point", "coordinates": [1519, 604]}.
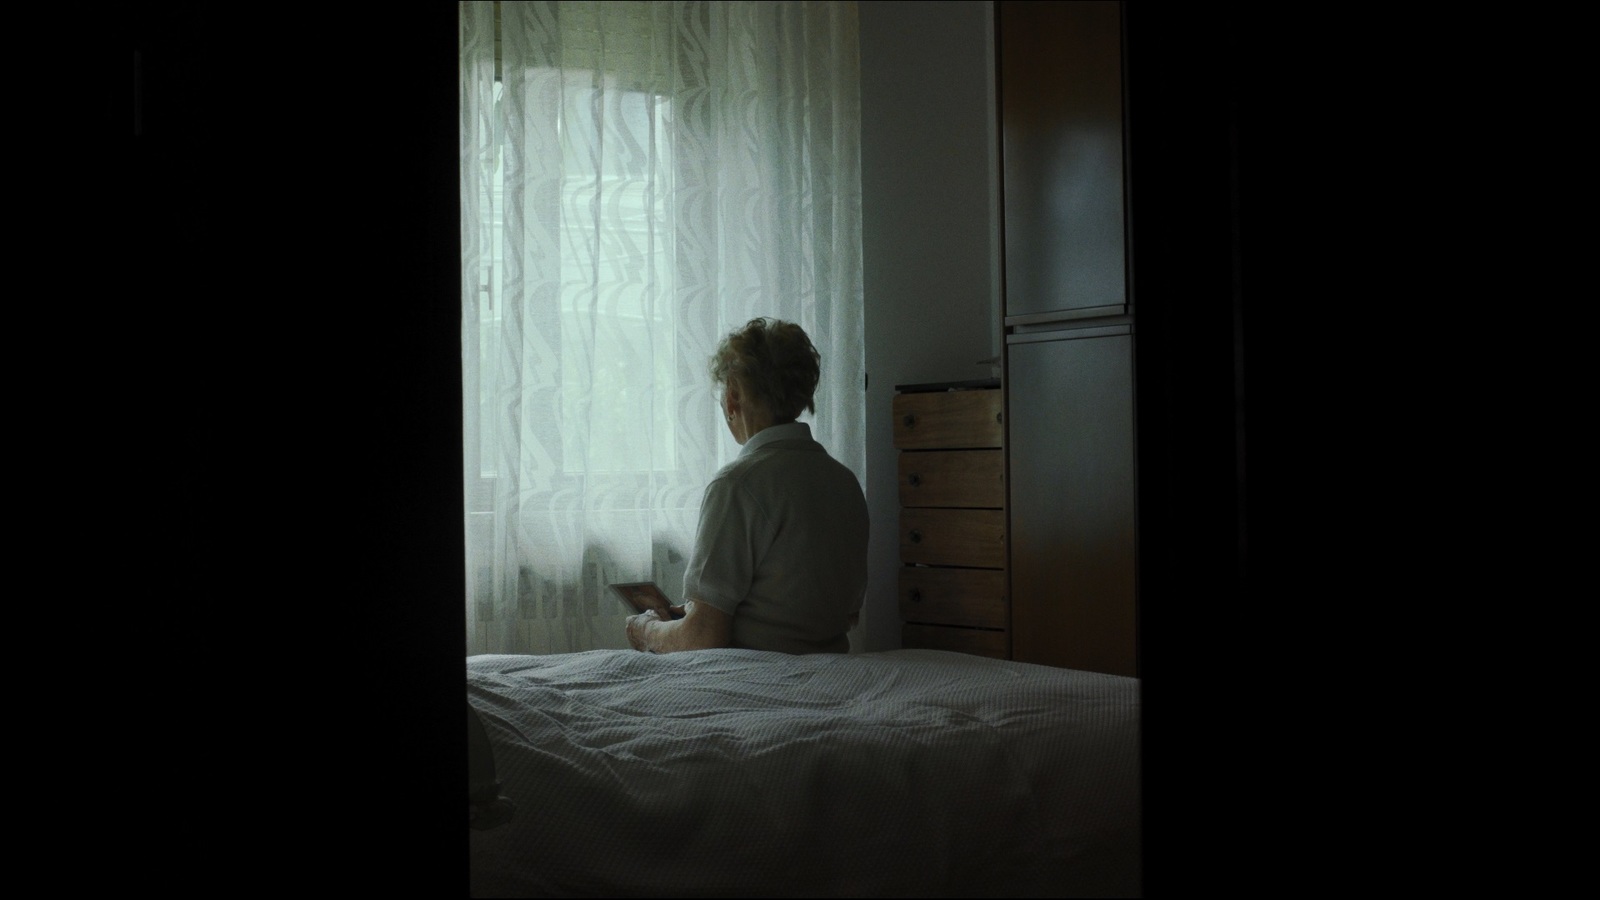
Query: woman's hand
{"type": "Point", "coordinates": [637, 625]}
{"type": "Point", "coordinates": [692, 626]}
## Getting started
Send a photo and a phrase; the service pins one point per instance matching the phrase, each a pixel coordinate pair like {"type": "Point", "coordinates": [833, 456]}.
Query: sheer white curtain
{"type": "Point", "coordinates": [637, 179]}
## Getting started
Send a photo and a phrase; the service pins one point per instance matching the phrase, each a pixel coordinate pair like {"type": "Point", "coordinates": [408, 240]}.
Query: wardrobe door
{"type": "Point", "coordinates": [1072, 500]}
{"type": "Point", "coordinates": [1060, 85]}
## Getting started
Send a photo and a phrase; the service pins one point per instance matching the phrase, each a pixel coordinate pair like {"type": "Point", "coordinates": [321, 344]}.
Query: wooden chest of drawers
{"type": "Point", "coordinates": [952, 517]}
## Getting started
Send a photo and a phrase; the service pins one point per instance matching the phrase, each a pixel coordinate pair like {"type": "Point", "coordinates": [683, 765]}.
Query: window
{"type": "Point", "coordinates": [616, 286]}
{"type": "Point", "coordinates": [616, 339]}
{"type": "Point", "coordinates": [638, 177]}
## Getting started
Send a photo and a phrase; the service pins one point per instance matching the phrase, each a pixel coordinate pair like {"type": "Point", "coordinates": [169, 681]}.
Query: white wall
{"type": "Point", "coordinates": [929, 233]}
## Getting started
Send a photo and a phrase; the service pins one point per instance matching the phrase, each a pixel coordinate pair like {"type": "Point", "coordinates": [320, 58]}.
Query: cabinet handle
{"type": "Point", "coordinates": [915, 480]}
{"type": "Point", "coordinates": [999, 418]}
{"type": "Point", "coordinates": [916, 536]}
{"type": "Point", "coordinates": [916, 596]}
{"type": "Point", "coordinates": [910, 420]}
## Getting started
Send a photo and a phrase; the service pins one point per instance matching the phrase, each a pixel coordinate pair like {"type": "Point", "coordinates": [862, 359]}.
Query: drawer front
{"type": "Point", "coordinates": [968, 478]}
{"type": "Point", "coordinates": [974, 598]}
{"type": "Point", "coordinates": [953, 537]}
{"type": "Point", "coordinates": [948, 419]}
{"type": "Point", "coordinates": [962, 640]}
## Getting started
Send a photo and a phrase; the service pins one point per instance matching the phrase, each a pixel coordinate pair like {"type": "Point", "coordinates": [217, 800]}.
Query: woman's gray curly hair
{"type": "Point", "coordinates": [774, 362]}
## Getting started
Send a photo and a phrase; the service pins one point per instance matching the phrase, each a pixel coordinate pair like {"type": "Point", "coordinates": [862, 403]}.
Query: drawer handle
{"type": "Point", "coordinates": [997, 418]}
{"type": "Point", "coordinates": [916, 596]}
{"type": "Point", "coordinates": [915, 480]}
{"type": "Point", "coordinates": [910, 420]}
{"type": "Point", "coordinates": [916, 536]}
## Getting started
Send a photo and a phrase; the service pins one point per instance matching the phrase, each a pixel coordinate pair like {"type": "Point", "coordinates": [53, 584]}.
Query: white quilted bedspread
{"type": "Point", "coordinates": [746, 773]}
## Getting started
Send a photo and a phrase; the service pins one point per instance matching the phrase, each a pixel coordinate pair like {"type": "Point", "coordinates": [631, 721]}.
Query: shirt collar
{"type": "Point", "coordinates": [789, 431]}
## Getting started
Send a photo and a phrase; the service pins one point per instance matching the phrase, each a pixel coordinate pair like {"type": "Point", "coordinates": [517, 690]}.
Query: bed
{"type": "Point", "coordinates": [742, 773]}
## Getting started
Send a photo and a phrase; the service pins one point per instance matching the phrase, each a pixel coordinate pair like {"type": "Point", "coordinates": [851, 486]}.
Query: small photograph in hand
{"type": "Point", "coordinates": [643, 595]}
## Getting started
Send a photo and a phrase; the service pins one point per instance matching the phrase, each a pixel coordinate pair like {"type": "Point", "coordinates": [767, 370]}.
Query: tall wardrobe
{"type": "Point", "coordinates": [1070, 336]}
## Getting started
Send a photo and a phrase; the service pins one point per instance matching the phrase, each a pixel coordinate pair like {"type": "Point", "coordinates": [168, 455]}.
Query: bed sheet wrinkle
{"type": "Point", "coordinates": [528, 722]}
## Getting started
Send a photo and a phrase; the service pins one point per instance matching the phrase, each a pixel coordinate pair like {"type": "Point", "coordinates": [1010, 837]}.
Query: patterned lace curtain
{"type": "Point", "coordinates": [637, 179]}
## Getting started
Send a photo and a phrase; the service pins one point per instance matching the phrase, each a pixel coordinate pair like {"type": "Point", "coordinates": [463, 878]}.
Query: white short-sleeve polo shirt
{"type": "Point", "coordinates": [782, 544]}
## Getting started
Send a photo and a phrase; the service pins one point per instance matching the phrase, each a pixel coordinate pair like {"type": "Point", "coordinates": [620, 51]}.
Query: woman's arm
{"type": "Point", "coordinates": [702, 627]}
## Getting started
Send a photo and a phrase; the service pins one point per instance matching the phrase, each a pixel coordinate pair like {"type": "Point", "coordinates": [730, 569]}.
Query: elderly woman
{"type": "Point", "coordinates": [780, 555]}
